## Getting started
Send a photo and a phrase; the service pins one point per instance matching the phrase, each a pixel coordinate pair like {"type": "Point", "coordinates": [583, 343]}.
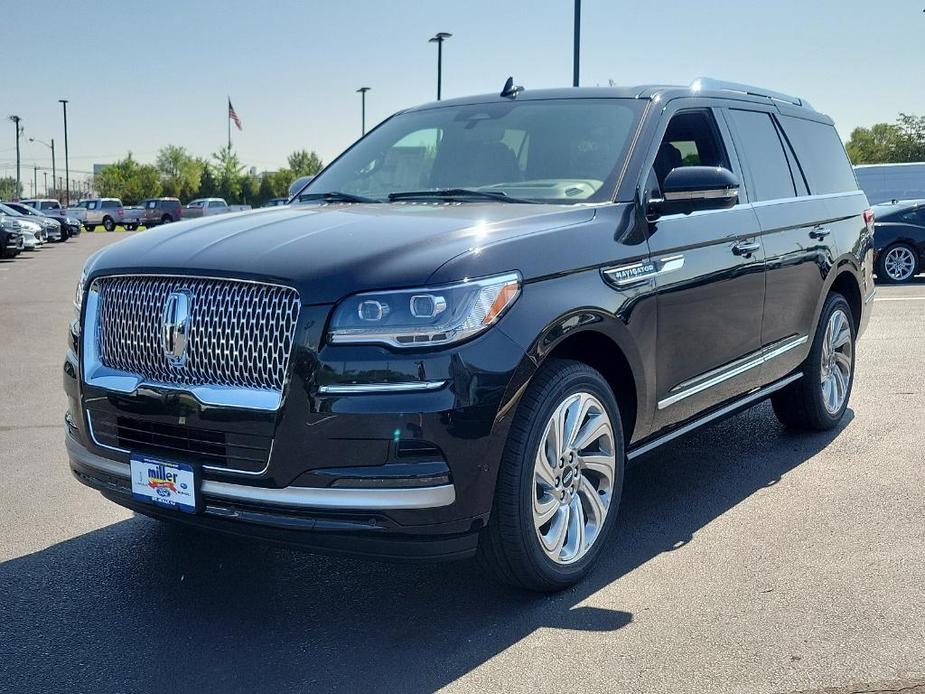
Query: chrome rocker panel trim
{"type": "Point", "coordinates": [743, 402]}
{"type": "Point", "coordinates": [724, 373]}
{"type": "Point", "coordinates": [292, 497]}
{"type": "Point", "coordinates": [369, 388]}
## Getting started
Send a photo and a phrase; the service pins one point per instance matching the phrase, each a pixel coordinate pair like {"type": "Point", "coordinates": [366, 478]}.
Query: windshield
{"type": "Point", "coordinates": [556, 150]}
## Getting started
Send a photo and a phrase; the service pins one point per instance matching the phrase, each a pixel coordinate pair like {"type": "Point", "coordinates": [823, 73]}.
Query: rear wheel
{"type": "Point", "coordinates": [91, 227]}
{"type": "Point", "coordinates": [819, 399]}
{"type": "Point", "coordinates": [559, 486]}
{"type": "Point", "coordinates": [109, 224]}
{"type": "Point", "coordinates": [898, 263]}
{"type": "Point", "coordinates": [166, 219]}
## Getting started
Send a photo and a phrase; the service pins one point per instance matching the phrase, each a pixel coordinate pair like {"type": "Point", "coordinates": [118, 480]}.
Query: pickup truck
{"type": "Point", "coordinates": [132, 217]}
{"type": "Point", "coordinates": [207, 207]}
{"type": "Point", "coordinates": [105, 212]}
{"type": "Point", "coordinates": [70, 217]}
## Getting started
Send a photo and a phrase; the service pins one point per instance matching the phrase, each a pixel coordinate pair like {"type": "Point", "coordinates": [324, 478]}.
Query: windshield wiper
{"type": "Point", "coordinates": [335, 196]}
{"type": "Point", "coordinates": [455, 194]}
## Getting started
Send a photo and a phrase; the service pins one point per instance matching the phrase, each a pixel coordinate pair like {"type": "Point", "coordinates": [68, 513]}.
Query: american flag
{"type": "Point", "coordinates": [233, 116]}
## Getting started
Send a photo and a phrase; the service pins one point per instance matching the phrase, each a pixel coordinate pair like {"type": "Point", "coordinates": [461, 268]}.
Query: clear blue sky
{"type": "Point", "coordinates": [140, 75]}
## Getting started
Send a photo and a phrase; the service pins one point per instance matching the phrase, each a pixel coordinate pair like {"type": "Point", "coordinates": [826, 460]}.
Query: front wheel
{"type": "Point", "coordinates": [559, 486]}
{"type": "Point", "coordinates": [898, 263]}
{"type": "Point", "coordinates": [818, 400]}
{"type": "Point", "coordinates": [166, 219]}
{"type": "Point", "coordinates": [109, 224]}
{"type": "Point", "coordinates": [91, 227]}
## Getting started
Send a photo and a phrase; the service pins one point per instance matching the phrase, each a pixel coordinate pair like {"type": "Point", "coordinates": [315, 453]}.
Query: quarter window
{"type": "Point", "coordinates": [763, 154]}
{"type": "Point", "coordinates": [821, 154]}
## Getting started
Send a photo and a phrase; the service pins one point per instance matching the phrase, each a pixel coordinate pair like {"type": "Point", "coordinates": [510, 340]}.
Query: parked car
{"type": "Point", "coordinates": [70, 217]}
{"type": "Point", "coordinates": [11, 243]}
{"type": "Point", "coordinates": [276, 202]}
{"type": "Point", "coordinates": [52, 227]}
{"type": "Point", "coordinates": [899, 240]}
{"type": "Point", "coordinates": [459, 355]}
{"type": "Point", "coordinates": [207, 207]}
{"type": "Point", "coordinates": [156, 211]}
{"type": "Point", "coordinates": [105, 212]}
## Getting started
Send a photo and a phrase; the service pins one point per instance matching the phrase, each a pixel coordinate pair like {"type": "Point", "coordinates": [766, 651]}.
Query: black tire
{"type": "Point", "coordinates": [109, 224]}
{"type": "Point", "coordinates": [166, 219]}
{"type": "Point", "coordinates": [509, 549]}
{"type": "Point", "coordinates": [801, 405]}
{"type": "Point", "coordinates": [131, 227]}
{"type": "Point", "coordinates": [906, 251]}
{"type": "Point", "coordinates": [91, 227]}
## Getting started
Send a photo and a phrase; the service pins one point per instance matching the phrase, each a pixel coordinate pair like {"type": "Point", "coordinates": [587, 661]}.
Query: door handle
{"type": "Point", "coordinates": [819, 233]}
{"type": "Point", "coordinates": [746, 248]}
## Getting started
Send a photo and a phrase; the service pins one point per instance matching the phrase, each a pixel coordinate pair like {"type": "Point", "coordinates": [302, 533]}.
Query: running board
{"type": "Point", "coordinates": [724, 411]}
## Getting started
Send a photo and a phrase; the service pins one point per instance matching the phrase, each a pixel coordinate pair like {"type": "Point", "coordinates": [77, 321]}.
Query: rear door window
{"type": "Point", "coordinates": [821, 154]}
{"type": "Point", "coordinates": [761, 149]}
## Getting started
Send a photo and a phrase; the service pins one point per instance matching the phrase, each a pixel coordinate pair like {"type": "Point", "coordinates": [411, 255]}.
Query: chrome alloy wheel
{"type": "Point", "coordinates": [899, 263]}
{"type": "Point", "coordinates": [573, 478]}
{"type": "Point", "coordinates": [837, 361]}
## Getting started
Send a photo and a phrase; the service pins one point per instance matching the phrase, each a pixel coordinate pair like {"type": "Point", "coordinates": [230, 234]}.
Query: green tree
{"type": "Point", "coordinates": [250, 191]}
{"type": "Point", "coordinates": [8, 189]}
{"type": "Point", "coordinates": [208, 187]}
{"type": "Point", "coordinates": [304, 163]}
{"type": "Point", "coordinates": [180, 172]}
{"type": "Point", "coordinates": [228, 174]}
{"type": "Point", "coordinates": [889, 143]}
{"type": "Point", "coordinates": [129, 181]}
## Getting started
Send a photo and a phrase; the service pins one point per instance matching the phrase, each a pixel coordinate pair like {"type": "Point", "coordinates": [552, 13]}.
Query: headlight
{"type": "Point", "coordinates": [79, 295]}
{"type": "Point", "coordinates": [424, 317]}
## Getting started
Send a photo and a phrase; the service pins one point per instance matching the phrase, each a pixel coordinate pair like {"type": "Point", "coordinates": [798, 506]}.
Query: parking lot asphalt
{"type": "Point", "coordinates": [748, 559]}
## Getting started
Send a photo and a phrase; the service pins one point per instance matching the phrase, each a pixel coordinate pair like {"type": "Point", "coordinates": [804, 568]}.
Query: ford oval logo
{"type": "Point", "coordinates": [163, 492]}
{"type": "Point", "coordinates": [175, 327]}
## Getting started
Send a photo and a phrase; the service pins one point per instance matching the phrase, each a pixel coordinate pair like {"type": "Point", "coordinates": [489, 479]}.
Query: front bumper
{"type": "Point", "coordinates": [339, 521]}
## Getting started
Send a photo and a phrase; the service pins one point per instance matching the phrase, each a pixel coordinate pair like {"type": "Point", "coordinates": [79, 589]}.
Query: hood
{"type": "Point", "coordinates": [329, 251]}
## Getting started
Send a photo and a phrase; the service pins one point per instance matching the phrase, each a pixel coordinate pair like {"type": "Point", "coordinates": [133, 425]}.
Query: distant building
{"type": "Point", "coordinates": [885, 182]}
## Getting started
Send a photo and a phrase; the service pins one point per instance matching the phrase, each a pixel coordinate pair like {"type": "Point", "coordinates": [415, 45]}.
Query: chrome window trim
{"type": "Point", "coordinates": [215, 468]}
{"type": "Point", "coordinates": [355, 499]}
{"type": "Point", "coordinates": [717, 376]}
{"type": "Point", "coordinates": [369, 388]}
{"type": "Point", "coordinates": [96, 374]}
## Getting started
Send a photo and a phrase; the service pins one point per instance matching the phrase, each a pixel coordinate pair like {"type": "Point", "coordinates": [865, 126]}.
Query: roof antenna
{"type": "Point", "coordinates": [510, 91]}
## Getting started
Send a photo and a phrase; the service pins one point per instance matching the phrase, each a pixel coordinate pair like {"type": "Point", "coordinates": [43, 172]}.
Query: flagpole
{"type": "Point", "coordinates": [228, 116]}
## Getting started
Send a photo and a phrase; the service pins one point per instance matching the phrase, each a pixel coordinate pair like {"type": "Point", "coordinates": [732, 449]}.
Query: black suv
{"type": "Point", "coordinates": [473, 320]}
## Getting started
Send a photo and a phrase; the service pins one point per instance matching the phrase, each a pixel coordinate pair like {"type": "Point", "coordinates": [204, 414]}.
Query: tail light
{"type": "Point", "coordinates": [869, 220]}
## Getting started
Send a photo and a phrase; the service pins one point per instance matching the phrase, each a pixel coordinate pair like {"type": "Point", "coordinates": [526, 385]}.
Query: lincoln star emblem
{"type": "Point", "coordinates": [175, 327]}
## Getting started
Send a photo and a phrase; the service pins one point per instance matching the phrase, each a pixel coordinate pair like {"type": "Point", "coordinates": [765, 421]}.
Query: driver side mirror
{"type": "Point", "coordinates": [688, 189]}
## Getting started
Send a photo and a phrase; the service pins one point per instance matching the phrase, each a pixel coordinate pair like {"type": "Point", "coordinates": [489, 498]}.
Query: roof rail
{"type": "Point", "coordinates": [708, 83]}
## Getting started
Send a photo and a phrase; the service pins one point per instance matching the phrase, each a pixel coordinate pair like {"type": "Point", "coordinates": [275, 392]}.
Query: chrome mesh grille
{"type": "Point", "coordinates": [240, 333]}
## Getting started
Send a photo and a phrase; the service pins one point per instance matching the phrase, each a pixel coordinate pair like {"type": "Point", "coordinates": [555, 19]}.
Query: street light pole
{"type": "Point", "coordinates": [16, 120]}
{"type": "Point", "coordinates": [577, 46]}
{"type": "Point", "coordinates": [51, 146]}
{"type": "Point", "coordinates": [67, 172]}
{"type": "Point", "coordinates": [439, 38]}
{"type": "Point", "coordinates": [45, 174]}
{"type": "Point", "coordinates": [362, 91]}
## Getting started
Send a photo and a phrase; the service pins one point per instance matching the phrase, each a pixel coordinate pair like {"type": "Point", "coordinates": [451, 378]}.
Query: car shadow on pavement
{"type": "Point", "coordinates": [142, 606]}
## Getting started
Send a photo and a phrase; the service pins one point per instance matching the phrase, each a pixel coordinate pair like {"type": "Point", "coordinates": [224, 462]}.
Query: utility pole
{"type": "Point", "coordinates": [577, 47]}
{"type": "Point", "coordinates": [362, 91]}
{"type": "Point", "coordinates": [16, 125]}
{"type": "Point", "coordinates": [51, 146]}
{"type": "Point", "coordinates": [439, 38]}
{"type": "Point", "coordinates": [45, 174]}
{"type": "Point", "coordinates": [67, 173]}
{"type": "Point", "coordinates": [35, 180]}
